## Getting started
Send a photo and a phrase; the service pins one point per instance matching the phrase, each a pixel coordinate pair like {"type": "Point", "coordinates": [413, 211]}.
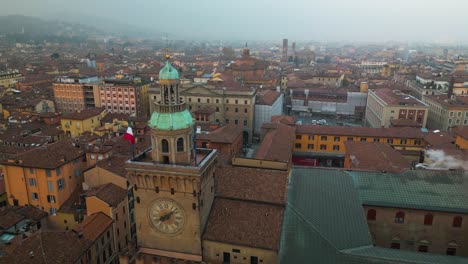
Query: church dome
{"type": "Point", "coordinates": [168, 72]}
{"type": "Point", "coordinates": [171, 121]}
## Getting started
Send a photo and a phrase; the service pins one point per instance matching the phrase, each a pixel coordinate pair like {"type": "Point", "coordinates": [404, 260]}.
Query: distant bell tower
{"type": "Point", "coordinates": [171, 123]}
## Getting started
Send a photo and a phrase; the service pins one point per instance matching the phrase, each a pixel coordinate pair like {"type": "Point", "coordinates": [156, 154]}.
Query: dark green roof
{"type": "Point", "coordinates": [171, 121]}
{"type": "Point", "coordinates": [323, 216]}
{"type": "Point", "coordinates": [324, 223]}
{"type": "Point", "coordinates": [168, 72]}
{"type": "Point", "coordinates": [388, 255]}
{"type": "Point", "coordinates": [417, 189]}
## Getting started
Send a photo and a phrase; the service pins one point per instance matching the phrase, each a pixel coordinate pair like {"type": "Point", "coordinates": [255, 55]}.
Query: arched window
{"type": "Point", "coordinates": [165, 145]}
{"type": "Point", "coordinates": [371, 214]}
{"type": "Point", "coordinates": [400, 217]}
{"type": "Point", "coordinates": [457, 221]}
{"type": "Point", "coordinates": [180, 144]}
{"type": "Point", "coordinates": [428, 218]}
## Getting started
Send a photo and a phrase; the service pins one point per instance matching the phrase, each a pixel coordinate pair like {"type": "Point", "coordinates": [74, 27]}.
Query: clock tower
{"type": "Point", "coordinates": [173, 181]}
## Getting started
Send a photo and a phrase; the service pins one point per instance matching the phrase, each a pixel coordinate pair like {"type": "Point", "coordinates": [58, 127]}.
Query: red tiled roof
{"type": "Point", "coordinates": [252, 184]}
{"type": "Point", "coordinates": [440, 139]}
{"type": "Point", "coordinates": [375, 156]}
{"type": "Point", "coordinates": [44, 247]}
{"type": "Point", "coordinates": [277, 143]}
{"type": "Point", "coordinates": [114, 164]}
{"type": "Point", "coordinates": [284, 119]}
{"type": "Point", "coordinates": [47, 157]}
{"type": "Point", "coordinates": [225, 134]}
{"type": "Point", "coordinates": [404, 123]}
{"type": "Point", "coordinates": [93, 226]}
{"type": "Point", "coordinates": [84, 114]}
{"type": "Point", "coordinates": [9, 218]}
{"type": "Point", "coordinates": [245, 223]}
{"type": "Point", "coordinates": [396, 97]}
{"type": "Point", "coordinates": [109, 193]}
{"type": "Point", "coordinates": [266, 97]}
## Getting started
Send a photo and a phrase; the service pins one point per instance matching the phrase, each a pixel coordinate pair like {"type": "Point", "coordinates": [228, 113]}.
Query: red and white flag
{"type": "Point", "coordinates": [129, 135]}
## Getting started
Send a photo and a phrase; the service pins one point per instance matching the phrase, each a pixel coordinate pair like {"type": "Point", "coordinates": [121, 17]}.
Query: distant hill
{"type": "Point", "coordinates": [114, 27]}
{"type": "Point", "coordinates": [20, 28]}
{"type": "Point", "coordinates": [25, 28]}
{"type": "Point", "coordinates": [14, 24]}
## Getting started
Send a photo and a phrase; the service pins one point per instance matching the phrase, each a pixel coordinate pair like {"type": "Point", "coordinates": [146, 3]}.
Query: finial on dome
{"type": "Point", "coordinates": [168, 57]}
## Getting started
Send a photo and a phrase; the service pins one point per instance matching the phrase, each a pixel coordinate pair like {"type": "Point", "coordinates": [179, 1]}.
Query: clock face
{"type": "Point", "coordinates": [167, 216]}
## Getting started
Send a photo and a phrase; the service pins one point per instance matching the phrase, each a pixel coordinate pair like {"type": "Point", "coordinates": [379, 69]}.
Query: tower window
{"type": "Point", "coordinates": [180, 144]}
{"type": "Point", "coordinates": [165, 145]}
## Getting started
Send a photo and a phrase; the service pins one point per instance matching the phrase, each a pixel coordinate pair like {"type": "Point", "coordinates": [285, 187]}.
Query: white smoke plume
{"type": "Point", "coordinates": [440, 160]}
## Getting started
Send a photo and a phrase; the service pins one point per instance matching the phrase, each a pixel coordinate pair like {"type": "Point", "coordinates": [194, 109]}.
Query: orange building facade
{"type": "Point", "coordinates": [44, 177]}
{"type": "Point", "coordinates": [74, 93]}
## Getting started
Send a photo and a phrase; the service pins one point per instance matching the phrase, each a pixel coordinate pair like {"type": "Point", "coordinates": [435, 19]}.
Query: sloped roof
{"type": "Point", "coordinates": [47, 248]}
{"type": "Point", "coordinates": [47, 157]}
{"type": "Point", "coordinates": [277, 143]}
{"type": "Point", "coordinates": [109, 193]}
{"type": "Point", "coordinates": [324, 223]}
{"type": "Point", "coordinates": [375, 156]}
{"type": "Point", "coordinates": [84, 114]}
{"type": "Point", "coordinates": [416, 189]}
{"type": "Point", "coordinates": [93, 226]}
{"type": "Point", "coordinates": [251, 184]}
{"type": "Point", "coordinates": [245, 223]}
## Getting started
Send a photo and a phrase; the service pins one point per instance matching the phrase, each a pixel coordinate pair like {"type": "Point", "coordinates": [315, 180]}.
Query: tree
{"type": "Point", "coordinates": [55, 56]}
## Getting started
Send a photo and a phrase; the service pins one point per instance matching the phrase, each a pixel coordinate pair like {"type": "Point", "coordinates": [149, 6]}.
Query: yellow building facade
{"type": "Point", "coordinates": [237, 254]}
{"type": "Point", "coordinates": [88, 120]}
{"type": "Point", "coordinates": [461, 139]}
{"type": "Point", "coordinates": [10, 79]}
{"type": "Point", "coordinates": [323, 141]}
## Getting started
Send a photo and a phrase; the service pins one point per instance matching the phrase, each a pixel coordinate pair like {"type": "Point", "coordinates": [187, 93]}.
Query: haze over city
{"type": "Point", "coordinates": [334, 20]}
{"type": "Point", "coordinates": [243, 132]}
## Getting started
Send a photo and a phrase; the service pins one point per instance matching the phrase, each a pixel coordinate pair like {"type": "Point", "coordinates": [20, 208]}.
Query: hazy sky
{"type": "Point", "coordinates": [323, 20]}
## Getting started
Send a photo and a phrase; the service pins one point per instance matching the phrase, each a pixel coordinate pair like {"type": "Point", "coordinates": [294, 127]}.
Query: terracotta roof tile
{"type": "Point", "coordinates": [44, 247]}
{"type": "Point", "coordinates": [84, 114]}
{"type": "Point", "coordinates": [284, 119]}
{"type": "Point", "coordinates": [225, 134]}
{"type": "Point", "coordinates": [375, 156]}
{"type": "Point", "coordinates": [109, 193]}
{"type": "Point", "coordinates": [404, 123]}
{"type": "Point", "coordinates": [114, 164]}
{"type": "Point", "coordinates": [9, 217]}
{"type": "Point", "coordinates": [47, 157]}
{"type": "Point", "coordinates": [266, 97]}
{"type": "Point", "coordinates": [93, 226]}
{"type": "Point", "coordinates": [277, 143]}
{"type": "Point", "coordinates": [245, 223]}
{"type": "Point", "coordinates": [252, 184]}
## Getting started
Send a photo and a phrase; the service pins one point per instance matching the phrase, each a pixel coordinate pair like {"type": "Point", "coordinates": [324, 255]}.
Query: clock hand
{"type": "Point", "coordinates": [167, 216]}
{"type": "Point", "coordinates": [163, 218]}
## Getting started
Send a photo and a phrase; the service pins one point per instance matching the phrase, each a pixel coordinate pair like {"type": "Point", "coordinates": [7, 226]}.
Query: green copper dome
{"type": "Point", "coordinates": [171, 121]}
{"type": "Point", "coordinates": [168, 72]}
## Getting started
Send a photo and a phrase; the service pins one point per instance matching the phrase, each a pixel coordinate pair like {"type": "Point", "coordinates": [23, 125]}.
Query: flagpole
{"type": "Point", "coordinates": [132, 146]}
